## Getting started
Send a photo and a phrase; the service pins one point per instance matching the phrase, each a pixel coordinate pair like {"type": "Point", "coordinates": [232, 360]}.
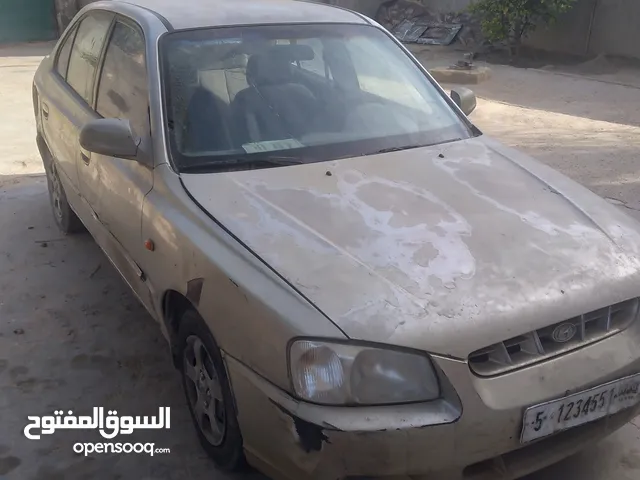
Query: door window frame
{"type": "Point", "coordinates": [147, 158]}
{"type": "Point", "coordinates": [69, 37]}
{"type": "Point", "coordinates": [75, 27]}
{"type": "Point", "coordinates": [103, 55]}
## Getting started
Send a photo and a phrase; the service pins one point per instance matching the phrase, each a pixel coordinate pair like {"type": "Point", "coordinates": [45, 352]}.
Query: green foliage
{"type": "Point", "coordinates": [512, 20]}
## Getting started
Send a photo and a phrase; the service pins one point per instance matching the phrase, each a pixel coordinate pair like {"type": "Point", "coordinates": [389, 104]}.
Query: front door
{"type": "Point", "coordinates": [115, 188]}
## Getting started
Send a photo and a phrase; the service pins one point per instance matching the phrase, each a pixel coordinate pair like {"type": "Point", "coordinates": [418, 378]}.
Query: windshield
{"type": "Point", "coordinates": [257, 96]}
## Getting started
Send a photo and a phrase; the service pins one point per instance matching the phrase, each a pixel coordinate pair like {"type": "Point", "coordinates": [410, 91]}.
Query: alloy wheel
{"type": "Point", "coordinates": [204, 390]}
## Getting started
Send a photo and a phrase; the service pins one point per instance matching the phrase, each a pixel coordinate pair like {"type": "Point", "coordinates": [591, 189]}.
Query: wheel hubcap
{"type": "Point", "coordinates": [204, 391]}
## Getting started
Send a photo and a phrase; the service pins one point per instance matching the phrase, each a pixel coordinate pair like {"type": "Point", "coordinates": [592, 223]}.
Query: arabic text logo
{"type": "Point", "coordinates": [109, 427]}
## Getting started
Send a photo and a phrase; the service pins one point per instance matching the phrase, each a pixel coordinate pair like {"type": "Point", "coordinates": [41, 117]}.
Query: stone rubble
{"type": "Point", "coordinates": [392, 13]}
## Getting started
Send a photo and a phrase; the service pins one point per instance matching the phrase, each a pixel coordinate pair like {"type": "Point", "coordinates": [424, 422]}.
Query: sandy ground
{"type": "Point", "coordinates": [73, 337]}
{"type": "Point", "coordinates": [586, 127]}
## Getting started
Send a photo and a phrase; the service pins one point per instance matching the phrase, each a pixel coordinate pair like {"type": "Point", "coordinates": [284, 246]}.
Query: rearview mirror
{"type": "Point", "coordinates": [110, 136]}
{"type": "Point", "coordinates": [465, 99]}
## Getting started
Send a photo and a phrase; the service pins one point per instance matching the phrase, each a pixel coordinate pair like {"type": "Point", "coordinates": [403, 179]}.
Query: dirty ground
{"type": "Point", "coordinates": [73, 337]}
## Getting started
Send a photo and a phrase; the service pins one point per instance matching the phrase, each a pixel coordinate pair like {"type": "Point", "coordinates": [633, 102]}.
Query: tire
{"type": "Point", "coordinates": [64, 216]}
{"type": "Point", "coordinates": [220, 436]}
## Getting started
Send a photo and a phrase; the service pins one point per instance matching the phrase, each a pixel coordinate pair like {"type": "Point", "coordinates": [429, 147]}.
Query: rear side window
{"type": "Point", "coordinates": [122, 91]}
{"type": "Point", "coordinates": [85, 53]}
{"type": "Point", "coordinates": [64, 53]}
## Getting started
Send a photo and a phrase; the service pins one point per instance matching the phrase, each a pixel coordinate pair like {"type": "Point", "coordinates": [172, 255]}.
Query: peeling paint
{"type": "Point", "coordinates": [310, 437]}
{"type": "Point", "coordinates": [446, 249]}
{"type": "Point", "coordinates": [382, 228]}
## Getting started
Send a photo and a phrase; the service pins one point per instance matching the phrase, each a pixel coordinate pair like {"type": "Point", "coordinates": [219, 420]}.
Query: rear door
{"type": "Point", "coordinates": [69, 93]}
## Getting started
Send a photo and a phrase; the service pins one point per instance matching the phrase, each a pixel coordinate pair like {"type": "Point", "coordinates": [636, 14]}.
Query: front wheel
{"type": "Point", "coordinates": [208, 393]}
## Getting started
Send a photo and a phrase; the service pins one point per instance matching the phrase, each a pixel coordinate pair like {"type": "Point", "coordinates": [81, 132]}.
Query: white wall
{"type": "Point", "coordinates": [367, 7]}
{"type": "Point", "coordinates": [615, 29]}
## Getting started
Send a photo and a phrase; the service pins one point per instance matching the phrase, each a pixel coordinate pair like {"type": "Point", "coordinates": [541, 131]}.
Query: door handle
{"type": "Point", "coordinates": [45, 110]}
{"type": "Point", "coordinates": [85, 158]}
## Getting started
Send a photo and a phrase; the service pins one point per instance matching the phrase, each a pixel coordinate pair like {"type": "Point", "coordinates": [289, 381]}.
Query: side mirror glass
{"type": "Point", "coordinates": [465, 99]}
{"type": "Point", "coordinates": [111, 137]}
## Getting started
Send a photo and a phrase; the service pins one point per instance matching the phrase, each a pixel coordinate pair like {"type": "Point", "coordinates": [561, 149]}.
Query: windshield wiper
{"type": "Point", "coordinates": [273, 161]}
{"type": "Point", "coordinates": [397, 149]}
{"type": "Point", "coordinates": [409, 147]}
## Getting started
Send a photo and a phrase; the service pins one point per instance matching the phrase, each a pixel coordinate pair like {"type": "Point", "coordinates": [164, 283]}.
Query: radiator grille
{"type": "Point", "coordinates": [548, 342]}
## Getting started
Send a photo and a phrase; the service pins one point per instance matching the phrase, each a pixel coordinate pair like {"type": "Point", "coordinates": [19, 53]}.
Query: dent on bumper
{"type": "Point", "coordinates": [293, 440]}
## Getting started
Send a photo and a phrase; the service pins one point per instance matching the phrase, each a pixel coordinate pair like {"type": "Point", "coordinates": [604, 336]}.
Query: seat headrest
{"type": "Point", "coordinates": [262, 70]}
{"type": "Point", "coordinates": [275, 65]}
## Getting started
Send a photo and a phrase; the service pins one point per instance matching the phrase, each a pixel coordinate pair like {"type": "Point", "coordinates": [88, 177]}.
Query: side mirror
{"type": "Point", "coordinates": [111, 137]}
{"type": "Point", "coordinates": [465, 99]}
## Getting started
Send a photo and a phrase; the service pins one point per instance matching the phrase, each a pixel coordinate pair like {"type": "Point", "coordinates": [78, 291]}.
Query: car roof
{"type": "Point", "coordinates": [187, 14]}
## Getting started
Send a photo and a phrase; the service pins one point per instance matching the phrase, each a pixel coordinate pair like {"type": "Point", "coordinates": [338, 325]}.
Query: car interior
{"type": "Point", "coordinates": [245, 97]}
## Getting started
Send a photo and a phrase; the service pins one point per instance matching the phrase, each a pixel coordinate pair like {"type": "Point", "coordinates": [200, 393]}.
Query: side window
{"type": "Point", "coordinates": [123, 91]}
{"type": "Point", "coordinates": [85, 53]}
{"type": "Point", "coordinates": [63, 54]}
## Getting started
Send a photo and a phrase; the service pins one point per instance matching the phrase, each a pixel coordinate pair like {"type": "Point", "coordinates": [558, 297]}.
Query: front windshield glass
{"type": "Point", "coordinates": [251, 97]}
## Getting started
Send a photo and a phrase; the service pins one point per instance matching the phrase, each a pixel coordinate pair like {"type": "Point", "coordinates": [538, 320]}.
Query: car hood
{"type": "Point", "coordinates": [447, 249]}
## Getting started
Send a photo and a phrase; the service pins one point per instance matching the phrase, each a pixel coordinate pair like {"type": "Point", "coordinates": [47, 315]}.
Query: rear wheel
{"type": "Point", "coordinates": [208, 393]}
{"type": "Point", "coordinates": [66, 219]}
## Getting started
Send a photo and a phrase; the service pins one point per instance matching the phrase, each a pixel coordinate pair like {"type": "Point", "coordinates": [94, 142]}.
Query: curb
{"type": "Point", "coordinates": [470, 77]}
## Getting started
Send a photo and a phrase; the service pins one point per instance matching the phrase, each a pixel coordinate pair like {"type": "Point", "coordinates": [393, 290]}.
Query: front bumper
{"type": "Point", "coordinates": [293, 440]}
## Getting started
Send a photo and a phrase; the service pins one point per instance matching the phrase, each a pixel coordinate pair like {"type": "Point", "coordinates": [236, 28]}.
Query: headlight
{"type": "Point", "coordinates": [343, 374]}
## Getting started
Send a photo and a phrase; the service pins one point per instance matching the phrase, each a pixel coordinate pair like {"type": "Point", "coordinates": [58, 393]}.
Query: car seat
{"type": "Point", "coordinates": [274, 106]}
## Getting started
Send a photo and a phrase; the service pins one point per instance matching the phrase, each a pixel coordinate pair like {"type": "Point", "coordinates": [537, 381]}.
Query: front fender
{"type": "Point", "coordinates": [251, 311]}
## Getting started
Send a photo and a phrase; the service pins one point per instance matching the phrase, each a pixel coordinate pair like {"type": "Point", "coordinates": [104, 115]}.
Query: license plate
{"type": "Point", "coordinates": [584, 407]}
